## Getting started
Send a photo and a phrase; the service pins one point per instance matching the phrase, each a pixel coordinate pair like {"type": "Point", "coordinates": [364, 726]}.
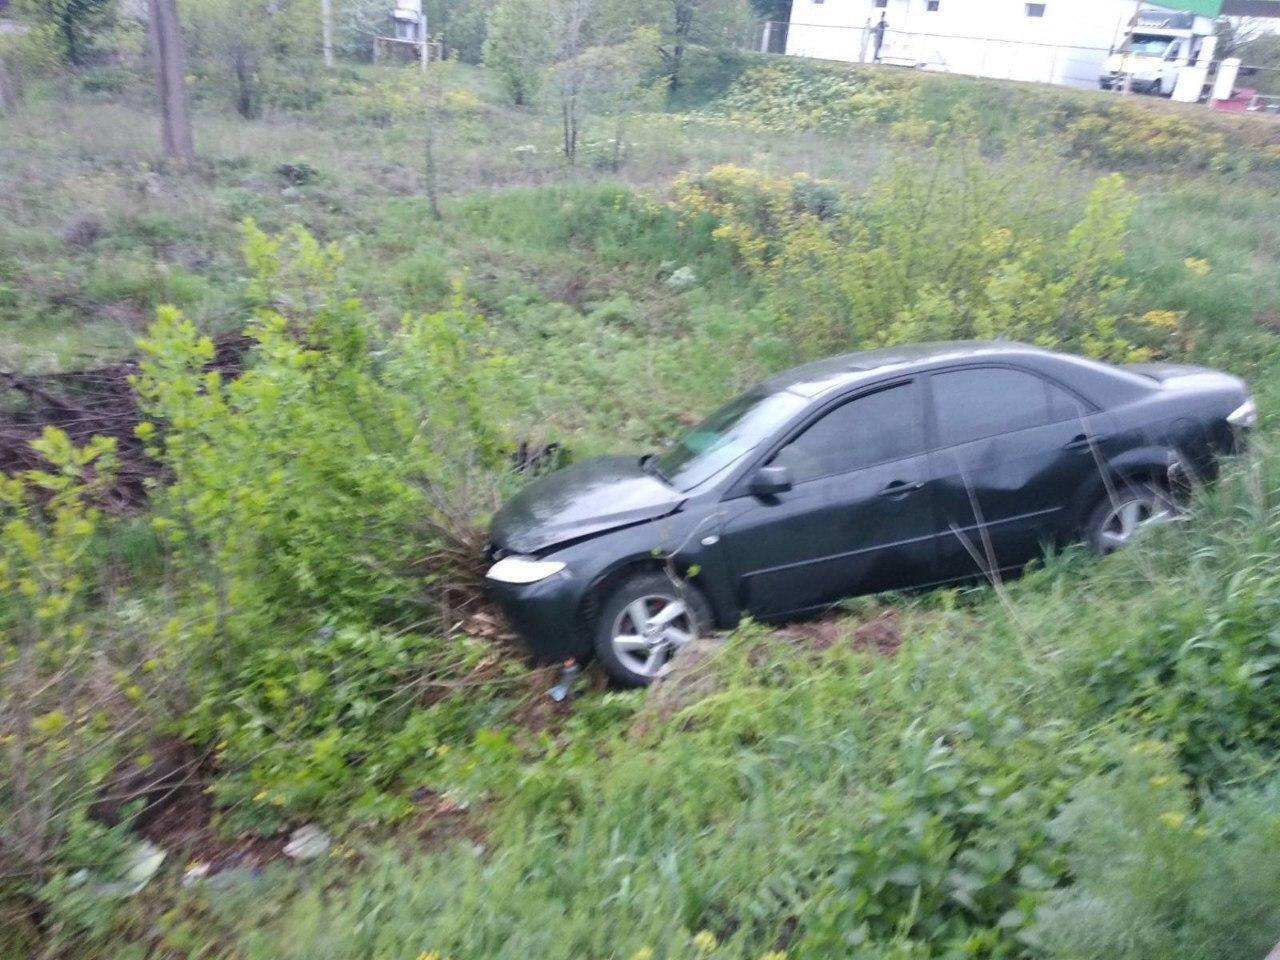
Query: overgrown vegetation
{"type": "Point", "coordinates": [1080, 764]}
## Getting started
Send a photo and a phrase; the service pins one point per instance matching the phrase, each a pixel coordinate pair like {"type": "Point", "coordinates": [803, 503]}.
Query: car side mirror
{"type": "Point", "coordinates": [771, 480]}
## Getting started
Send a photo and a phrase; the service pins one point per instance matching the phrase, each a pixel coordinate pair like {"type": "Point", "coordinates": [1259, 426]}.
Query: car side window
{"type": "Point", "coordinates": [871, 429]}
{"type": "Point", "coordinates": [987, 401]}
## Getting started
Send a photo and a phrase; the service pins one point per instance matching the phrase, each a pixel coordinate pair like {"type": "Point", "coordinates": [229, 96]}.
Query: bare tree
{"type": "Point", "coordinates": [569, 23]}
{"type": "Point", "coordinates": [615, 83]}
{"type": "Point", "coordinates": [170, 64]}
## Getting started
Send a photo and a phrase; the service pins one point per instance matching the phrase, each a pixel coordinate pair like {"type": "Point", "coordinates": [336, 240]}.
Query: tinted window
{"type": "Point", "coordinates": [987, 401]}
{"type": "Point", "coordinates": [872, 429]}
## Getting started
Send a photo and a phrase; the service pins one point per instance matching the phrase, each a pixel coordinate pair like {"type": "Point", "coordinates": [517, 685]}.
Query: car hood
{"type": "Point", "coordinates": [582, 500]}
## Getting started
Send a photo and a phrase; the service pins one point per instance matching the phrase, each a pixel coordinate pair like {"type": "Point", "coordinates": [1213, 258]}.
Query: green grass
{"type": "Point", "coordinates": [941, 802]}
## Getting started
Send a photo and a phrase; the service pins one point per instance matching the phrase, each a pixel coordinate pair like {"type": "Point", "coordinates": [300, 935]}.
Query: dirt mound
{"type": "Point", "coordinates": [99, 401]}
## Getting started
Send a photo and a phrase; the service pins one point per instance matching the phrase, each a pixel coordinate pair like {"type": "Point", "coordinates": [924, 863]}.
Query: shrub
{"type": "Point", "coordinates": [330, 487]}
{"type": "Point", "coordinates": [341, 722]}
{"type": "Point", "coordinates": [66, 694]}
{"type": "Point", "coordinates": [1154, 878]}
{"type": "Point", "coordinates": [1204, 677]}
{"type": "Point", "coordinates": [932, 251]}
{"type": "Point", "coordinates": [321, 477]}
{"type": "Point", "coordinates": [788, 96]}
{"type": "Point", "coordinates": [1123, 135]}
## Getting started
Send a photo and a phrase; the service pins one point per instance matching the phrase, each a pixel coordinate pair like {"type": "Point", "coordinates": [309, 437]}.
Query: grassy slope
{"type": "Point", "coordinates": [760, 814]}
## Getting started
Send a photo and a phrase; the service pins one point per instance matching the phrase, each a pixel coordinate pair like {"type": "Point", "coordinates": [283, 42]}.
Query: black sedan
{"type": "Point", "coordinates": [903, 467]}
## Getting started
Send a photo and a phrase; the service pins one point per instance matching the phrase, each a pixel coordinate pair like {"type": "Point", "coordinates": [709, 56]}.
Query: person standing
{"type": "Point", "coordinates": [878, 36]}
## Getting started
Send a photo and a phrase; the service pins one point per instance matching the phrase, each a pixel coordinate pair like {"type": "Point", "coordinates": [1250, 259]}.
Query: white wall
{"type": "Point", "coordinates": [993, 38]}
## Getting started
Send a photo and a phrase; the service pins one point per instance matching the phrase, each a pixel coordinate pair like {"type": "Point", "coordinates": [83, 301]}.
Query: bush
{"type": "Point", "coordinates": [1125, 135]}
{"type": "Point", "coordinates": [932, 251]}
{"type": "Point", "coordinates": [330, 487]}
{"type": "Point", "coordinates": [788, 96]}
{"type": "Point", "coordinates": [1203, 678]}
{"type": "Point", "coordinates": [71, 700]}
{"type": "Point", "coordinates": [1154, 878]}
{"type": "Point", "coordinates": [322, 477]}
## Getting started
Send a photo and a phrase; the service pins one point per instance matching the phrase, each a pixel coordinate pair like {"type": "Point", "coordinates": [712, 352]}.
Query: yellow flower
{"type": "Point", "coordinates": [429, 955]}
{"type": "Point", "coordinates": [644, 953]}
{"type": "Point", "coordinates": [1173, 819]}
{"type": "Point", "coordinates": [705, 941]}
{"type": "Point", "coordinates": [1161, 780]}
{"type": "Point", "coordinates": [774, 955]}
{"type": "Point", "coordinates": [1161, 318]}
{"type": "Point", "coordinates": [1198, 266]}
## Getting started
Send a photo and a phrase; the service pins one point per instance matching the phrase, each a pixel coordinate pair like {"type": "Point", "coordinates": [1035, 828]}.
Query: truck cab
{"type": "Point", "coordinates": [1159, 44]}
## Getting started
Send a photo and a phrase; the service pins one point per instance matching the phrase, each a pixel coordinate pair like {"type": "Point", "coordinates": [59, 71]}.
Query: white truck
{"type": "Point", "coordinates": [1158, 45]}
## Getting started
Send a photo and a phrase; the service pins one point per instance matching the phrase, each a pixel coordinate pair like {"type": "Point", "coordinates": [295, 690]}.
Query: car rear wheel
{"type": "Point", "coordinates": [644, 622]}
{"type": "Point", "coordinates": [1125, 513]}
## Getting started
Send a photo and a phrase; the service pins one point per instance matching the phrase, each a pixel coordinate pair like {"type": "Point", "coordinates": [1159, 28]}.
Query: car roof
{"type": "Point", "coordinates": [820, 376]}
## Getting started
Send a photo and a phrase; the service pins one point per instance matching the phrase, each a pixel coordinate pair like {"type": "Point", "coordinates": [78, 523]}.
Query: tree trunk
{"type": "Point", "coordinates": [170, 64]}
{"type": "Point", "coordinates": [10, 88]}
{"type": "Point", "coordinates": [326, 30]}
{"type": "Point", "coordinates": [246, 84]}
{"type": "Point", "coordinates": [683, 29]}
{"type": "Point", "coordinates": [66, 24]}
{"type": "Point", "coordinates": [433, 186]}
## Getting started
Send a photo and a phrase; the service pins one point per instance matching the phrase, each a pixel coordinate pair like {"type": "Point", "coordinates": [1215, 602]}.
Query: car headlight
{"type": "Point", "coordinates": [516, 569]}
{"type": "Point", "coordinates": [1245, 415]}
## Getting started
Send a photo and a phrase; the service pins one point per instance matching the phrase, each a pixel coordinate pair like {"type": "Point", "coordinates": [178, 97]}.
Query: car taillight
{"type": "Point", "coordinates": [1245, 415]}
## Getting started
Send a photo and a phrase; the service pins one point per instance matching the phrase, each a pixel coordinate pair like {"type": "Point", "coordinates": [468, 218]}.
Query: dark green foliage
{"type": "Point", "coordinates": [80, 25]}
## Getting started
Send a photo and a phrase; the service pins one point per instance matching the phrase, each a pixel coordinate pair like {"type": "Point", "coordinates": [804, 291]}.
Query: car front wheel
{"type": "Point", "coordinates": [1125, 513]}
{"type": "Point", "coordinates": [644, 622]}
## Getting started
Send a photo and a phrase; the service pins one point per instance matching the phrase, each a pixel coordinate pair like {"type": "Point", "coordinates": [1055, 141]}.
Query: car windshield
{"type": "Point", "coordinates": [727, 435]}
{"type": "Point", "coordinates": [1145, 45]}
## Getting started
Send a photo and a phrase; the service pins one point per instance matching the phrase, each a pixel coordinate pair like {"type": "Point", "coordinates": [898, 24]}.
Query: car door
{"type": "Point", "coordinates": [1012, 450]}
{"type": "Point", "coordinates": [856, 518]}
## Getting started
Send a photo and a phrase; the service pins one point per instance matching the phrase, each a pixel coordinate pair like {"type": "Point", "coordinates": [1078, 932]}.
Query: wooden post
{"type": "Point", "coordinates": [170, 64]}
{"type": "Point", "coordinates": [326, 31]}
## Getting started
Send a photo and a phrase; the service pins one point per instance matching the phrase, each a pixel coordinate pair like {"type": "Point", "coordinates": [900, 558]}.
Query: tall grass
{"type": "Point", "coordinates": [931, 804]}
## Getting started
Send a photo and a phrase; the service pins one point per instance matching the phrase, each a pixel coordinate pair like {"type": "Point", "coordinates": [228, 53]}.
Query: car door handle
{"type": "Point", "coordinates": [1083, 441]}
{"type": "Point", "coordinates": [900, 488]}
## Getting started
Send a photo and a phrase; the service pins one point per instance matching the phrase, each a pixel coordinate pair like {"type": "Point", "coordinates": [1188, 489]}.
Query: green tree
{"type": "Point", "coordinates": [618, 83]}
{"type": "Point", "coordinates": [251, 44]}
{"type": "Point", "coordinates": [79, 23]}
{"type": "Point", "coordinates": [461, 25]}
{"type": "Point", "coordinates": [685, 24]}
{"type": "Point", "coordinates": [518, 46]}
{"type": "Point", "coordinates": [1263, 53]}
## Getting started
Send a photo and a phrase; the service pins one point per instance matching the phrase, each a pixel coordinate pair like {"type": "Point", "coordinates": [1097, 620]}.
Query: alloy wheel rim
{"type": "Point", "coordinates": [1129, 518]}
{"type": "Point", "coordinates": [649, 630]}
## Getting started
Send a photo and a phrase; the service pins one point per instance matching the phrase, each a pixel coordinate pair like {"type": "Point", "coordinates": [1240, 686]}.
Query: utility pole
{"type": "Point", "coordinates": [170, 64]}
{"type": "Point", "coordinates": [326, 30]}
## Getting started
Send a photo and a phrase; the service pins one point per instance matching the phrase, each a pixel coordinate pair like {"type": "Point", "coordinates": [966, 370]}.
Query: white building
{"type": "Point", "coordinates": [1052, 41]}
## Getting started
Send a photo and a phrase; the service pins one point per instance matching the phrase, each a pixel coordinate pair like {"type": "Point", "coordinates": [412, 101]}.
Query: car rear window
{"type": "Point", "coordinates": [987, 401]}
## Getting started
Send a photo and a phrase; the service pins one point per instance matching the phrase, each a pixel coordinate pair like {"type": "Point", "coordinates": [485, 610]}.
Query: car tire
{"type": "Point", "coordinates": [674, 613]}
{"type": "Point", "coordinates": [1124, 512]}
